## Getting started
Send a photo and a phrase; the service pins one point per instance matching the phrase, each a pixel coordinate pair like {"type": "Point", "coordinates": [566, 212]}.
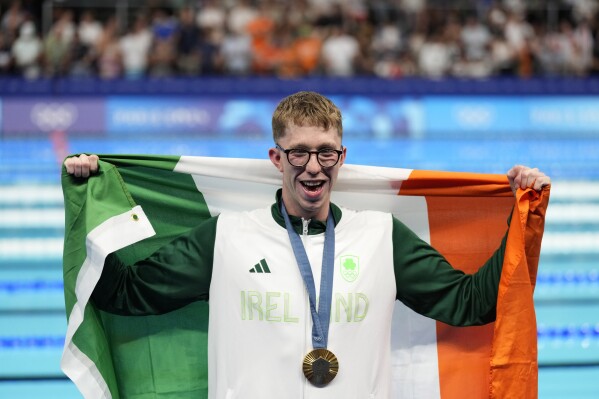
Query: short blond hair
{"type": "Point", "coordinates": [305, 108]}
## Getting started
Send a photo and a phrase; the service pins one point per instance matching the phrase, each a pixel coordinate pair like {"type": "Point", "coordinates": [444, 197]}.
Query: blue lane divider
{"type": "Point", "coordinates": [37, 285]}
{"type": "Point", "coordinates": [569, 277]}
{"type": "Point", "coordinates": [35, 342]}
{"type": "Point", "coordinates": [551, 278]}
{"type": "Point", "coordinates": [582, 331]}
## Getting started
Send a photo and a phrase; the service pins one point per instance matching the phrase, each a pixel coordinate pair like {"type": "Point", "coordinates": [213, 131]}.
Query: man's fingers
{"type": "Point", "coordinates": [68, 163]}
{"type": "Point", "coordinates": [93, 163]}
{"type": "Point", "coordinates": [82, 166]}
{"type": "Point", "coordinates": [528, 177]}
{"type": "Point", "coordinates": [514, 171]}
{"type": "Point", "coordinates": [541, 182]}
{"type": "Point", "coordinates": [524, 177]}
{"type": "Point", "coordinates": [514, 177]}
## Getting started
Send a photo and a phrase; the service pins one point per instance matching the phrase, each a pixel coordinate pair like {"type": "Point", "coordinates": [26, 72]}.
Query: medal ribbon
{"type": "Point", "coordinates": [322, 317]}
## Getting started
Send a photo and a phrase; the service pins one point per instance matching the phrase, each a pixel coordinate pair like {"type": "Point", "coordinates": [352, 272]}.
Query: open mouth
{"type": "Point", "coordinates": [313, 186]}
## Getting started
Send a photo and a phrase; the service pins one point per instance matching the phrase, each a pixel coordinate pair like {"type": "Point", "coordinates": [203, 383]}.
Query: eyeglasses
{"type": "Point", "coordinates": [327, 157]}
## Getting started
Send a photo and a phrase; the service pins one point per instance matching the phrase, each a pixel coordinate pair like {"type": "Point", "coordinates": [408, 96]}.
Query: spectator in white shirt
{"type": "Point", "coordinates": [135, 46]}
{"type": "Point", "coordinates": [475, 38]}
{"type": "Point", "coordinates": [339, 53]}
{"type": "Point", "coordinates": [27, 51]}
{"type": "Point", "coordinates": [89, 29]}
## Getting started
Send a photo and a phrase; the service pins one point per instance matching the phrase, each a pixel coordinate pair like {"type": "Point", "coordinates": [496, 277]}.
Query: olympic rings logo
{"type": "Point", "coordinates": [54, 116]}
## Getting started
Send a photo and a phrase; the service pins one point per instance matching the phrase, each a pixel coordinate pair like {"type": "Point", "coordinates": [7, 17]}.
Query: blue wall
{"type": "Point", "coordinates": [480, 126]}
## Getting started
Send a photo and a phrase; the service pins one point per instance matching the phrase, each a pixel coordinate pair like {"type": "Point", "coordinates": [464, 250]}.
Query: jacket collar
{"type": "Point", "coordinates": [315, 226]}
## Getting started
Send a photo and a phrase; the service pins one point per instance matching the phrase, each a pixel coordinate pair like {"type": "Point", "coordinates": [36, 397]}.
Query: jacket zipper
{"type": "Point", "coordinates": [305, 224]}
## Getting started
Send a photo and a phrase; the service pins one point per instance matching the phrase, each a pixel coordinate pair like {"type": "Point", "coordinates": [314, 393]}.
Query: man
{"type": "Point", "coordinates": [261, 328]}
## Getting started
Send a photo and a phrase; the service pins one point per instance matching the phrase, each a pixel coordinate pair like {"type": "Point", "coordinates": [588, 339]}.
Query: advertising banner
{"type": "Point", "coordinates": [135, 115]}
{"type": "Point", "coordinates": [364, 117]}
{"type": "Point", "coordinates": [492, 116]}
{"type": "Point", "coordinates": [226, 117]}
{"type": "Point", "coordinates": [75, 115]}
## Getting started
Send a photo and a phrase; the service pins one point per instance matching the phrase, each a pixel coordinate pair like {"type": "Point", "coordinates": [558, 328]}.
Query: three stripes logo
{"type": "Point", "coordinates": [260, 267]}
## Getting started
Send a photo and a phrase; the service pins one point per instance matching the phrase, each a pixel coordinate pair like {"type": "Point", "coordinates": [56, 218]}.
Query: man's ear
{"type": "Point", "coordinates": [343, 155]}
{"type": "Point", "coordinates": [275, 158]}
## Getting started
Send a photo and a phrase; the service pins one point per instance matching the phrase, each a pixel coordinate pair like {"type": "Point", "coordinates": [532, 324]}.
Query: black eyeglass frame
{"type": "Point", "coordinates": [317, 152]}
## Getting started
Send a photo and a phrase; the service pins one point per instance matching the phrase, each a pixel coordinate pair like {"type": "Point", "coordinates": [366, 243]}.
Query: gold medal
{"type": "Point", "coordinates": [320, 367]}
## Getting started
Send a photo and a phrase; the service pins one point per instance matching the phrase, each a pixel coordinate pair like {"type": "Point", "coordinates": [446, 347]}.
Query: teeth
{"type": "Point", "coordinates": [311, 183]}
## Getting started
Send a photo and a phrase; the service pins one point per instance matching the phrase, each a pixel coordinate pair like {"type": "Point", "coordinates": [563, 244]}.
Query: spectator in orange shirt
{"type": "Point", "coordinates": [307, 49]}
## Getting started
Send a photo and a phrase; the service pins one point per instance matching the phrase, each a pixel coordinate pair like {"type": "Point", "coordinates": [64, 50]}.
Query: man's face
{"type": "Point", "coordinates": [307, 189]}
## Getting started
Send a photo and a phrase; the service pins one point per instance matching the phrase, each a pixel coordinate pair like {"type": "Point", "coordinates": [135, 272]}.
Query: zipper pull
{"type": "Point", "coordinates": [305, 224]}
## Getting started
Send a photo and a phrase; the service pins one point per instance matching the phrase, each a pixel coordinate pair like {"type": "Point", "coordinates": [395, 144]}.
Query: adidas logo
{"type": "Point", "coordinates": [260, 267]}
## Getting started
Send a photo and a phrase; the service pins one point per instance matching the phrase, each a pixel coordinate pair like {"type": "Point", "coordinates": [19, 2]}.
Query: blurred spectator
{"type": "Point", "coordinates": [188, 43]}
{"type": "Point", "coordinates": [503, 57]}
{"type": "Point", "coordinates": [162, 59]}
{"type": "Point", "coordinates": [356, 10]}
{"type": "Point", "coordinates": [164, 25]}
{"type": "Point", "coordinates": [27, 51]}
{"type": "Point", "coordinates": [464, 67]}
{"type": "Point", "coordinates": [407, 65]}
{"type": "Point", "coordinates": [388, 38]}
{"type": "Point", "coordinates": [583, 43]}
{"type": "Point", "coordinates": [413, 7]}
{"type": "Point", "coordinates": [299, 13]}
{"type": "Point", "coordinates": [393, 66]}
{"type": "Point", "coordinates": [261, 29]}
{"type": "Point", "coordinates": [284, 59]}
{"type": "Point", "coordinates": [413, 11]}
{"type": "Point", "coordinates": [496, 19]}
{"type": "Point", "coordinates": [387, 66]}
{"type": "Point", "coordinates": [583, 9]}
{"type": "Point", "coordinates": [211, 16]}
{"type": "Point", "coordinates": [327, 13]}
{"type": "Point", "coordinates": [339, 54]}
{"type": "Point", "coordinates": [89, 29]}
{"type": "Point", "coordinates": [210, 48]}
{"type": "Point", "coordinates": [435, 57]}
{"type": "Point", "coordinates": [64, 22]}
{"type": "Point", "coordinates": [236, 53]}
{"type": "Point", "coordinates": [517, 7]}
{"type": "Point", "coordinates": [163, 53]}
{"type": "Point", "coordinates": [475, 38]}
{"type": "Point", "coordinates": [307, 49]}
{"type": "Point", "coordinates": [135, 48]}
{"type": "Point", "coordinates": [517, 32]}
{"type": "Point", "coordinates": [12, 19]}
{"type": "Point", "coordinates": [57, 44]}
{"type": "Point", "coordinates": [80, 59]}
{"type": "Point", "coordinates": [452, 25]}
{"type": "Point", "coordinates": [566, 54]}
{"type": "Point", "coordinates": [108, 52]}
{"type": "Point", "coordinates": [240, 15]}
{"type": "Point", "coordinates": [365, 60]}
{"type": "Point", "coordinates": [5, 55]}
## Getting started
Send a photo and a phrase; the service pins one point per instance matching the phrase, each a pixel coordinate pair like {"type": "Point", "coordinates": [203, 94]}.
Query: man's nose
{"type": "Point", "coordinates": [313, 166]}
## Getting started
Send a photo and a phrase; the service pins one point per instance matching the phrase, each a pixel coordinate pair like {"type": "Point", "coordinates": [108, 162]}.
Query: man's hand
{"type": "Point", "coordinates": [524, 177]}
{"type": "Point", "coordinates": [82, 166]}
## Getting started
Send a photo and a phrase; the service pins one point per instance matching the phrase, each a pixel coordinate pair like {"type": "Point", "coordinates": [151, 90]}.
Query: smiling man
{"type": "Point", "coordinates": [307, 130]}
{"type": "Point", "coordinates": [290, 315]}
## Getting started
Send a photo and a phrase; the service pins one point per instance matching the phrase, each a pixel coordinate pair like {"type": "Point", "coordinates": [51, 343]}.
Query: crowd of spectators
{"type": "Point", "coordinates": [386, 38]}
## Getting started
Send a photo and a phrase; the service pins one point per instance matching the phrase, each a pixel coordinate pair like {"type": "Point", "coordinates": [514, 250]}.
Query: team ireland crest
{"type": "Point", "coordinates": [349, 266]}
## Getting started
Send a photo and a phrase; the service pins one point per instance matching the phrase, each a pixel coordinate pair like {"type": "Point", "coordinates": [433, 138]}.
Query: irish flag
{"type": "Point", "coordinates": [135, 204]}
